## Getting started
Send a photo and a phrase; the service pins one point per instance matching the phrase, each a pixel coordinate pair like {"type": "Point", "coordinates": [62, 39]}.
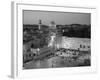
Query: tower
{"type": "Point", "coordinates": [40, 23]}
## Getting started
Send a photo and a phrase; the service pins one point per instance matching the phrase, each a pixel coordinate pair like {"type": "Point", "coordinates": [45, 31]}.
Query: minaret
{"type": "Point", "coordinates": [40, 23]}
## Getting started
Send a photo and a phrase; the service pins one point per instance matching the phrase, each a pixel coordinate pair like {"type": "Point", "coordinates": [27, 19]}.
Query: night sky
{"type": "Point", "coordinates": [33, 17]}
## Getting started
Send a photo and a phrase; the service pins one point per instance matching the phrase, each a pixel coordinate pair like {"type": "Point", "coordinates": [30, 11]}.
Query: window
{"type": "Point", "coordinates": [84, 46]}
{"type": "Point", "coordinates": [80, 46]}
{"type": "Point", "coordinates": [88, 46]}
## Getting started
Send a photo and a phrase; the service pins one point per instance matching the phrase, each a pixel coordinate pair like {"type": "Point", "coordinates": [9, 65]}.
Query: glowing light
{"type": "Point", "coordinates": [52, 38]}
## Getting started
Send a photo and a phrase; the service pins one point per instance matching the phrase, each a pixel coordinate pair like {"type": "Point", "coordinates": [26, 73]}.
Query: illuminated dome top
{"type": "Point", "coordinates": [52, 25]}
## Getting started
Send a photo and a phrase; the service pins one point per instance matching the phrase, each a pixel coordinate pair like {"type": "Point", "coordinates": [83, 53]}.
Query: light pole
{"type": "Point", "coordinates": [38, 53]}
{"type": "Point", "coordinates": [52, 64]}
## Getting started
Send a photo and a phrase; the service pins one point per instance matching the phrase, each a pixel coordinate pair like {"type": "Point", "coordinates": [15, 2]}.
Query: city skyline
{"type": "Point", "coordinates": [60, 18]}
